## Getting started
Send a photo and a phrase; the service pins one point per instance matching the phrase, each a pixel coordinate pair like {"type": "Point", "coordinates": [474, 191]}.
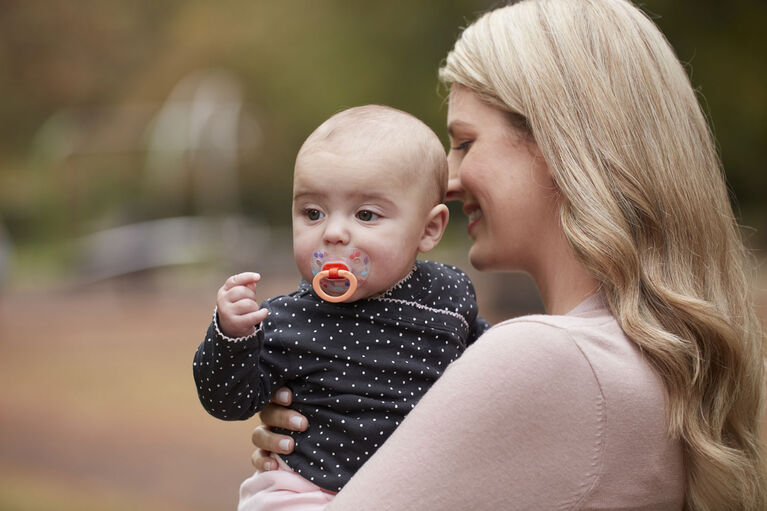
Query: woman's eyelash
{"type": "Point", "coordinates": [462, 146]}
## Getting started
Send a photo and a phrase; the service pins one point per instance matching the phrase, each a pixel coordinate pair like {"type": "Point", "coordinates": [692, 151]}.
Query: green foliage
{"type": "Point", "coordinates": [81, 82]}
{"type": "Point", "coordinates": [723, 47]}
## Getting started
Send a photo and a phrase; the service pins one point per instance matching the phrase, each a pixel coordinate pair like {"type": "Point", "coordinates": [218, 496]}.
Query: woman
{"type": "Point", "coordinates": [582, 158]}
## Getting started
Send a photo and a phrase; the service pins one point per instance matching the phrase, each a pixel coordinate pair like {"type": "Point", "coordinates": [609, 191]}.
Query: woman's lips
{"type": "Point", "coordinates": [474, 214]}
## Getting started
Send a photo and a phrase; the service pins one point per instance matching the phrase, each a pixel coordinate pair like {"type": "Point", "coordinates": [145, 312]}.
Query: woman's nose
{"type": "Point", "coordinates": [454, 186]}
{"type": "Point", "coordinates": [336, 232]}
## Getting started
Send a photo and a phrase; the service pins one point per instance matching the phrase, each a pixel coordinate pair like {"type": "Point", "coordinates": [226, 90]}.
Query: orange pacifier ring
{"type": "Point", "coordinates": [334, 271]}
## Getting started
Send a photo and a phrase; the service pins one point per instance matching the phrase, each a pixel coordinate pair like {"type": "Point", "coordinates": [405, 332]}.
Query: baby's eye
{"type": "Point", "coordinates": [366, 215]}
{"type": "Point", "coordinates": [313, 214]}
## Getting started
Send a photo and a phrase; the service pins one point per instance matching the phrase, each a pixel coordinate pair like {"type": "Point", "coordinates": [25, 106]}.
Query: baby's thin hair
{"type": "Point", "coordinates": [372, 129]}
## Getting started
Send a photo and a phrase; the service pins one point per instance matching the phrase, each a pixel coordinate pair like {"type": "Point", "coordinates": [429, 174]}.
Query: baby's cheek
{"type": "Point", "coordinates": [303, 262]}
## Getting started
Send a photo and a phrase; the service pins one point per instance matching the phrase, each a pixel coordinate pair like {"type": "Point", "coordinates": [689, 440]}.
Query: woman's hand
{"type": "Point", "coordinates": [275, 414]}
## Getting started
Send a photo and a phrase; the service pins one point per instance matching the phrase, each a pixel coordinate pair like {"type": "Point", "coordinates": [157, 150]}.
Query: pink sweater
{"type": "Point", "coordinates": [542, 412]}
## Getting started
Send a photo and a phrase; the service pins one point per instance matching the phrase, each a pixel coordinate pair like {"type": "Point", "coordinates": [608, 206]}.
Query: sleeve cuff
{"type": "Point", "coordinates": [225, 337]}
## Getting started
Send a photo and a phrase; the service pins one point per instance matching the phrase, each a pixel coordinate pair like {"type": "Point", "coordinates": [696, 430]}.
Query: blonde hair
{"type": "Point", "coordinates": [646, 210]}
{"type": "Point", "coordinates": [379, 131]}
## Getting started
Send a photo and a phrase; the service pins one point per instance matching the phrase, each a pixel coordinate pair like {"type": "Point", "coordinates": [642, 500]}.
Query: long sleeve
{"type": "Point", "coordinates": [233, 381]}
{"type": "Point", "coordinates": [537, 414]}
{"type": "Point", "coordinates": [537, 447]}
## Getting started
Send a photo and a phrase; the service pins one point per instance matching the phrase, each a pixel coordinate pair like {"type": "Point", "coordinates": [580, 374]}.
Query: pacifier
{"type": "Point", "coordinates": [337, 273]}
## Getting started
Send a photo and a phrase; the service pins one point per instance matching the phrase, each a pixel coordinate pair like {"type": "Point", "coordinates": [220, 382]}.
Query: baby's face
{"type": "Point", "coordinates": [343, 201]}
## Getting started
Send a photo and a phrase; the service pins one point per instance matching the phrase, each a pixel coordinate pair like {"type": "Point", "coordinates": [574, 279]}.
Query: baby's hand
{"type": "Point", "coordinates": [238, 310]}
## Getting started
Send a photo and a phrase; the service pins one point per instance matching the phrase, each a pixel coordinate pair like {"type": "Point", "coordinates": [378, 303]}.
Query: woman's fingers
{"type": "Point", "coordinates": [262, 461]}
{"type": "Point", "coordinates": [280, 417]}
{"type": "Point", "coordinates": [270, 441]}
{"type": "Point", "coordinates": [282, 396]}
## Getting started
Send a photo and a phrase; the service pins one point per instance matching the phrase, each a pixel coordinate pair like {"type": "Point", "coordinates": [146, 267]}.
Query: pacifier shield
{"type": "Point", "coordinates": [355, 260]}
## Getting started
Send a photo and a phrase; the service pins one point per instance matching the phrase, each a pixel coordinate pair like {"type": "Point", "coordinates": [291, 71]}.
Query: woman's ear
{"type": "Point", "coordinates": [434, 228]}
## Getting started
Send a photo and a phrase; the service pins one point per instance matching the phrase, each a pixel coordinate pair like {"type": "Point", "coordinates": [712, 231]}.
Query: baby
{"type": "Point", "coordinates": [370, 327]}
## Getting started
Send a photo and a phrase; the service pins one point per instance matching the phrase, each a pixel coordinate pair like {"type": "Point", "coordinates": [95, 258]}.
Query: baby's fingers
{"type": "Point", "coordinates": [240, 293]}
{"type": "Point", "coordinates": [241, 279]}
{"type": "Point", "coordinates": [240, 325]}
{"type": "Point", "coordinates": [256, 317]}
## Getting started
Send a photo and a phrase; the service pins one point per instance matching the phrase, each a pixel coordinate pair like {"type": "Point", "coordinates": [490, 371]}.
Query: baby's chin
{"type": "Point", "coordinates": [361, 293]}
{"type": "Point", "coordinates": [358, 295]}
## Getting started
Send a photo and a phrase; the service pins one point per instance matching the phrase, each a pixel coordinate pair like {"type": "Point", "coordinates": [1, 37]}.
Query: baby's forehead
{"type": "Point", "coordinates": [342, 179]}
{"type": "Point", "coordinates": [326, 166]}
{"type": "Point", "coordinates": [391, 153]}
{"type": "Point", "coordinates": [358, 150]}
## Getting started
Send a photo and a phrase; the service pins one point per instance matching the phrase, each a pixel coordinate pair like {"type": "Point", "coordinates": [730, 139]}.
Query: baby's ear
{"type": "Point", "coordinates": [436, 222]}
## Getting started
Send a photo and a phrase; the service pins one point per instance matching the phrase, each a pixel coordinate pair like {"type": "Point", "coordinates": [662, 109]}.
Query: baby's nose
{"type": "Point", "coordinates": [336, 231]}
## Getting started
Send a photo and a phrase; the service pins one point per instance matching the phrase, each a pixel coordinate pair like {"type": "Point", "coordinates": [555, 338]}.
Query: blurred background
{"type": "Point", "coordinates": [146, 150]}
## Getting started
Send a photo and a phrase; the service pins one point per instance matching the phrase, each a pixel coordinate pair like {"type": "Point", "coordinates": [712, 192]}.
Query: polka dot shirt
{"type": "Point", "coordinates": [355, 369]}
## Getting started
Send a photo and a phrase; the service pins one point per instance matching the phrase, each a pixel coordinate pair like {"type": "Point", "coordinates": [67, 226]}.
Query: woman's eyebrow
{"type": "Point", "coordinates": [456, 124]}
